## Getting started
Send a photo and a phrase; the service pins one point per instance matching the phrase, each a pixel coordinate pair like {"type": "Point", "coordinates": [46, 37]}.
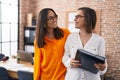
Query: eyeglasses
{"type": "Point", "coordinates": [52, 18]}
{"type": "Point", "coordinates": [78, 16]}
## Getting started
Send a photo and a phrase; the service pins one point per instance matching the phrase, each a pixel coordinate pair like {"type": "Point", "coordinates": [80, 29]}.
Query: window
{"type": "Point", "coordinates": [71, 25]}
{"type": "Point", "coordinates": [70, 21]}
{"type": "Point", "coordinates": [29, 39]}
{"type": "Point", "coordinates": [8, 27]}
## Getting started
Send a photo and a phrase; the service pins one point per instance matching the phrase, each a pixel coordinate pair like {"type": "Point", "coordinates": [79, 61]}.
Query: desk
{"type": "Point", "coordinates": [12, 66]}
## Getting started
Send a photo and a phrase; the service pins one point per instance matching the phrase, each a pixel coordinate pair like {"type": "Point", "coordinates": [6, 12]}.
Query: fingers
{"type": "Point", "coordinates": [96, 65]}
{"type": "Point", "coordinates": [100, 67]}
{"type": "Point", "coordinates": [74, 63]}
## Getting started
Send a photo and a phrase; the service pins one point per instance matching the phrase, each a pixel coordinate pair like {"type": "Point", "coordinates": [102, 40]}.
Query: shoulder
{"type": "Point", "coordinates": [65, 30]}
{"type": "Point", "coordinates": [96, 36]}
{"type": "Point", "coordinates": [35, 45]}
{"type": "Point", "coordinates": [73, 35]}
{"type": "Point", "coordinates": [34, 42]}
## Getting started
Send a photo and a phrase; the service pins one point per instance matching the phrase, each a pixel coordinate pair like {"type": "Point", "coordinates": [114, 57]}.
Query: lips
{"type": "Point", "coordinates": [54, 23]}
{"type": "Point", "coordinates": [76, 23]}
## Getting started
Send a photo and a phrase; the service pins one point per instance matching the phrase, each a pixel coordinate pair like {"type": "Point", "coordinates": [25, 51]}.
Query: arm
{"type": "Point", "coordinates": [66, 58]}
{"type": "Point", "coordinates": [37, 62]}
{"type": "Point", "coordinates": [102, 67]}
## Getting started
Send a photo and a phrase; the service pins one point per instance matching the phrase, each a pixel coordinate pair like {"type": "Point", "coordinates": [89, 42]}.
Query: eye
{"type": "Point", "coordinates": [78, 16]}
{"type": "Point", "coordinates": [52, 17]}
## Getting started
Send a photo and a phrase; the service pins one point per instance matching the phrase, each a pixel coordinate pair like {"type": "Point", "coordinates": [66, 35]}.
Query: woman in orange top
{"type": "Point", "coordinates": [49, 47]}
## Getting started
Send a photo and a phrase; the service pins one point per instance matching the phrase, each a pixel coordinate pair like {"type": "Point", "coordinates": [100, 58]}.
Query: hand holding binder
{"type": "Point", "coordinates": [88, 60]}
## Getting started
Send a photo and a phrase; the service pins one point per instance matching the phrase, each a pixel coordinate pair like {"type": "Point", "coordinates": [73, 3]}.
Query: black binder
{"type": "Point", "coordinates": [87, 60]}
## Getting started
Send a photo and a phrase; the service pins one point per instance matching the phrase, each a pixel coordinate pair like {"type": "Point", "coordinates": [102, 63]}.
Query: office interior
{"type": "Point", "coordinates": [18, 22]}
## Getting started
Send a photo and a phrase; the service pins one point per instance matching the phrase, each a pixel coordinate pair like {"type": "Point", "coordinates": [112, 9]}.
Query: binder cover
{"type": "Point", "coordinates": [88, 60]}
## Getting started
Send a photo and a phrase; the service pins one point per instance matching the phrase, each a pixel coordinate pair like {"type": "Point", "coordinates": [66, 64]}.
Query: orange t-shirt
{"type": "Point", "coordinates": [48, 60]}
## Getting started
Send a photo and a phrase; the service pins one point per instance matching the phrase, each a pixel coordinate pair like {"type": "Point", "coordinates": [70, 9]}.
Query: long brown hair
{"type": "Point", "coordinates": [41, 28]}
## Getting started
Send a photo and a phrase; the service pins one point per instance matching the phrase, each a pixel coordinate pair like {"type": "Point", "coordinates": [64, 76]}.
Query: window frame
{"type": "Point", "coordinates": [12, 43]}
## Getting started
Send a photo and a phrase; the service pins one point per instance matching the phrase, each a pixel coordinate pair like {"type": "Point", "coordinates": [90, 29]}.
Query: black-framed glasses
{"type": "Point", "coordinates": [78, 16]}
{"type": "Point", "coordinates": [52, 18]}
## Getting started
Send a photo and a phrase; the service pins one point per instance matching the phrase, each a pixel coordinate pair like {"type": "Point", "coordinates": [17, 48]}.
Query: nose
{"type": "Point", "coordinates": [54, 19]}
{"type": "Point", "coordinates": [74, 19]}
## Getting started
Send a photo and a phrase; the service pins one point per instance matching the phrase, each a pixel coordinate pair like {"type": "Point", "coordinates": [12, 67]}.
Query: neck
{"type": "Point", "coordinates": [84, 33]}
{"type": "Point", "coordinates": [50, 33]}
{"type": "Point", "coordinates": [85, 37]}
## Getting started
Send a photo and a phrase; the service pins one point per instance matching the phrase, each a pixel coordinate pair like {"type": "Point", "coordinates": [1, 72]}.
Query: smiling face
{"type": "Point", "coordinates": [51, 19]}
{"type": "Point", "coordinates": [79, 20]}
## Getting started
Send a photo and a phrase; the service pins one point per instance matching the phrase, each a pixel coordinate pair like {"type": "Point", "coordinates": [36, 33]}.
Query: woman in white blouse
{"type": "Point", "coordinates": [85, 20]}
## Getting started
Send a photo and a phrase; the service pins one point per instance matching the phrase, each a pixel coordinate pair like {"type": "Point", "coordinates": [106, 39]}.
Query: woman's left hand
{"type": "Point", "coordinates": [100, 67]}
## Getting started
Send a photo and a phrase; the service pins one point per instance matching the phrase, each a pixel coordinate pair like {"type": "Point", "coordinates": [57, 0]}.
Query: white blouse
{"type": "Point", "coordinates": [95, 45]}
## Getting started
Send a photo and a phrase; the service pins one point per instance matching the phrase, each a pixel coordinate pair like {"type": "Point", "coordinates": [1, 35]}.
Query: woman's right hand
{"type": "Point", "coordinates": [74, 63]}
{"type": "Point", "coordinates": [100, 67]}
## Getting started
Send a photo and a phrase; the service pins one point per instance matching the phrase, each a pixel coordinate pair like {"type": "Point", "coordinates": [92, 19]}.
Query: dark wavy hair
{"type": "Point", "coordinates": [90, 18]}
{"type": "Point", "coordinates": [41, 30]}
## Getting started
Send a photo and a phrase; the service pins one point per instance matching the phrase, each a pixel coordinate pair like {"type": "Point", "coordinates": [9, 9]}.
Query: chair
{"type": "Point", "coordinates": [24, 75]}
{"type": "Point", "coordinates": [4, 74]}
{"type": "Point", "coordinates": [1, 56]}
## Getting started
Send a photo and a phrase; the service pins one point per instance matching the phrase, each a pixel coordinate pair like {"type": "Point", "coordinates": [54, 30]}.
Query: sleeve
{"type": "Point", "coordinates": [66, 58]}
{"type": "Point", "coordinates": [102, 53]}
{"type": "Point", "coordinates": [37, 62]}
{"type": "Point", "coordinates": [67, 31]}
